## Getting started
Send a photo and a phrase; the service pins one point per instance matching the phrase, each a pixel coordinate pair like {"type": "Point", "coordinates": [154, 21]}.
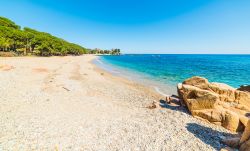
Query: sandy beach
{"type": "Point", "coordinates": [67, 103]}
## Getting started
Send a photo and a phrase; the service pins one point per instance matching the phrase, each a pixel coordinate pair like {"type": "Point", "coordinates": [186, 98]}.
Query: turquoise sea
{"type": "Point", "coordinates": [164, 71]}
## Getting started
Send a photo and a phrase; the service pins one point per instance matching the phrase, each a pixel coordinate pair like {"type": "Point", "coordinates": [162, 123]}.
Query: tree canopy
{"type": "Point", "coordinates": [27, 40]}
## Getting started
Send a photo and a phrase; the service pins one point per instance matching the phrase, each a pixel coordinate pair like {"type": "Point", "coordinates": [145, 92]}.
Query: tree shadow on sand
{"type": "Point", "coordinates": [208, 135]}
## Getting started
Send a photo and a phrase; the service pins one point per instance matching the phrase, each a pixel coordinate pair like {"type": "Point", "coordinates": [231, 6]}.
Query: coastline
{"type": "Point", "coordinates": [68, 103]}
{"type": "Point", "coordinates": [128, 82]}
{"type": "Point", "coordinates": [136, 77]}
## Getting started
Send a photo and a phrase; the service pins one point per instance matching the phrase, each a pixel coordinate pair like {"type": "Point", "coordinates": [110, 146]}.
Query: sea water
{"type": "Point", "coordinates": [164, 71]}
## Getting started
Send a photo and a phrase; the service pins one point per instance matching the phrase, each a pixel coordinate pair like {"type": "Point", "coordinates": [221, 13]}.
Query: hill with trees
{"type": "Point", "coordinates": [29, 41]}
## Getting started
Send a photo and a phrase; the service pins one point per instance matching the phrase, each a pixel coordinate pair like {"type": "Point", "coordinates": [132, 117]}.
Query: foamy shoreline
{"type": "Point", "coordinates": [67, 103]}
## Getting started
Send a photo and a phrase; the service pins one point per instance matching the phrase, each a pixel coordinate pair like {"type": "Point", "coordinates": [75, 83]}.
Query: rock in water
{"type": "Point", "coordinates": [244, 88]}
{"type": "Point", "coordinates": [217, 103]}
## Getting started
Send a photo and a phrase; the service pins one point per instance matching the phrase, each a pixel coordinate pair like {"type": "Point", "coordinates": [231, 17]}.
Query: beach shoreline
{"type": "Point", "coordinates": [68, 103]}
{"type": "Point", "coordinates": [137, 77]}
{"type": "Point", "coordinates": [127, 81]}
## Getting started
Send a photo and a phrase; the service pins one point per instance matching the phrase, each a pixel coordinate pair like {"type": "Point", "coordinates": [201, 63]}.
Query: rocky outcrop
{"type": "Point", "coordinates": [219, 104]}
{"type": "Point", "coordinates": [216, 102]}
{"type": "Point", "coordinates": [241, 142]}
{"type": "Point", "coordinates": [244, 88]}
{"type": "Point", "coordinates": [245, 139]}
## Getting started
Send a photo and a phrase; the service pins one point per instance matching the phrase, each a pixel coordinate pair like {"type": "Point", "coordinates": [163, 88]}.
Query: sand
{"type": "Point", "coordinates": [67, 103]}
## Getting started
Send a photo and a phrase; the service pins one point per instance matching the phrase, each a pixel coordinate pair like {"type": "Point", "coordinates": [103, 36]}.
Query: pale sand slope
{"type": "Point", "coordinates": [65, 103]}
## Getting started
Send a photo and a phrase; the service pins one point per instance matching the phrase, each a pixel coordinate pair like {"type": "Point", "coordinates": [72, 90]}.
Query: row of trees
{"type": "Point", "coordinates": [27, 40]}
{"type": "Point", "coordinates": [110, 52]}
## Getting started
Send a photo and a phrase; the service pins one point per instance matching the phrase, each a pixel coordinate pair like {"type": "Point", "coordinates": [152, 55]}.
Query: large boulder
{"type": "Point", "coordinates": [196, 98]}
{"type": "Point", "coordinates": [231, 121]}
{"type": "Point", "coordinates": [245, 139]}
{"type": "Point", "coordinates": [217, 103]}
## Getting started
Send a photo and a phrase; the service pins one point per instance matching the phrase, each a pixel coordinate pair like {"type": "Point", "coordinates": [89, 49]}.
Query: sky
{"type": "Point", "coordinates": [140, 26]}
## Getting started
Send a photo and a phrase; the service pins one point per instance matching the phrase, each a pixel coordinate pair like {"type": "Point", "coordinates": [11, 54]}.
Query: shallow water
{"type": "Point", "coordinates": [164, 71]}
